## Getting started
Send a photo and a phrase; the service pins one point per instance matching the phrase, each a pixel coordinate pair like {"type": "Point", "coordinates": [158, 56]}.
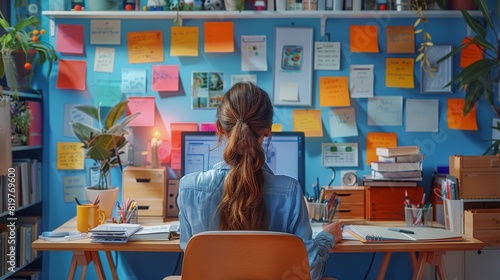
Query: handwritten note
{"type": "Point", "coordinates": [165, 78]}
{"type": "Point", "coordinates": [105, 32]}
{"type": "Point", "coordinates": [74, 186]}
{"type": "Point", "coordinates": [184, 41]}
{"type": "Point", "coordinates": [378, 139]}
{"type": "Point", "coordinates": [253, 53]}
{"type": "Point", "coordinates": [133, 81]}
{"type": "Point", "coordinates": [104, 59]}
{"type": "Point", "coordinates": [326, 55]}
{"type": "Point", "coordinates": [106, 93]}
{"type": "Point", "coordinates": [400, 39]}
{"type": "Point", "coordinates": [71, 114]}
{"type": "Point", "coordinates": [361, 81]}
{"type": "Point", "coordinates": [470, 54]}
{"type": "Point", "coordinates": [343, 122]}
{"type": "Point", "coordinates": [399, 73]}
{"type": "Point", "coordinates": [308, 121]}
{"type": "Point", "coordinates": [333, 91]}
{"type": "Point", "coordinates": [70, 156]}
{"type": "Point", "coordinates": [364, 38]}
{"type": "Point", "coordinates": [219, 36]}
{"type": "Point", "coordinates": [422, 115]}
{"type": "Point", "coordinates": [456, 118]}
{"type": "Point", "coordinates": [145, 105]}
{"type": "Point", "coordinates": [385, 110]}
{"type": "Point", "coordinates": [70, 39]}
{"type": "Point", "coordinates": [72, 74]}
{"type": "Point", "coordinates": [146, 46]}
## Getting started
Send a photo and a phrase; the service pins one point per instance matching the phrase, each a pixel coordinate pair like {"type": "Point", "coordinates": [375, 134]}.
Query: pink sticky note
{"type": "Point", "coordinates": [208, 127]}
{"type": "Point", "coordinates": [72, 74]}
{"type": "Point", "coordinates": [69, 38]}
{"type": "Point", "coordinates": [145, 105]}
{"type": "Point", "coordinates": [165, 78]}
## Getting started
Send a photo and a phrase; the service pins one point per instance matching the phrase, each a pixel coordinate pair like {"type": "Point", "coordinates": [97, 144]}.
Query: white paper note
{"type": "Point", "coordinates": [253, 53]}
{"type": "Point", "coordinates": [289, 91]}
{"type": "Point", "coordinates": [422, 115]}
{"type": "Point", "coordinates": [361, 81]}
{"type": "Point", "coordinates": [105, 32]}
{"type": "Point", "coordinates": [385, 111]}
{"type": "Point", "coordinates": [104, 59]}
{"type": "Point", "coordinates": [343, 122]}
{"type": "Point", "coordinates": [326, 55]}
{"type": "Point", "coordinates": [133, 81]}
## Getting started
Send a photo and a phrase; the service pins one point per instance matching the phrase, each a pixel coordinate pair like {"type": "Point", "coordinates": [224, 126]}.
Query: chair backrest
{"type": "Point", "coordinates": [252, 255]}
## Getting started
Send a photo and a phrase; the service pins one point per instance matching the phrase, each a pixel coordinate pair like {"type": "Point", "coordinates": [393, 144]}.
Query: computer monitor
{"type": "Point", "coordinates": [285, 155]}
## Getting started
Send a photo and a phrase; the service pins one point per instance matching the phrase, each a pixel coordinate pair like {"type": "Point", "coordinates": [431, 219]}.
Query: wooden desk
{"type": "Point", "coordinates": [85, 252]}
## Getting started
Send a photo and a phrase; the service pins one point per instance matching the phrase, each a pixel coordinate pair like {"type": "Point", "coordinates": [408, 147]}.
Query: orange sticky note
{"type": "Point", "coordinates": [400, 39]}
{"type": "Point", "coordinates": [184, 41]}
{"type": "Point", "coordinates": [378, 139]}
{"type": "Point", "coordinates": [165, 78]}
{"type": "Point", "coordinates": [72, 74]}
{"type": "Point", "coordinates": [146, 46]}
{"type": "Point", "coordinates": [276, 127]}
{"type": "Point", "coordinates": [308, 121]}
{"type": "Point", "coordinates": [69, 38]}
{"type": "Point", "coordinates": [219, 36]}
{"type": "Point", "coordinates": [145, 105]}
{"type": "Point", "coordinates": [364, 38]}
{"type": "Point", "coordinates": [456, 118]}
{"type": "Point", "coordinates": [334, 91]}
{"type": "Point", "coordinates": [399, 72]}
{"type": "Point", "coordinates": [470, 54]}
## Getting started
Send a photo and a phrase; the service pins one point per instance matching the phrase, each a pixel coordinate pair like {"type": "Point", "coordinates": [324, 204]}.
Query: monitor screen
{"type": "Point", "coordinates": [285, 155]}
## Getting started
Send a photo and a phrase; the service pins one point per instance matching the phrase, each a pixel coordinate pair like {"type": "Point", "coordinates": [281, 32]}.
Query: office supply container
{"type": "Point", "coordinates": [483, 224]}
{"type": "Point", "coordinates": [147, 186]}
{"type": "Point", "coordinates": [478, 176]}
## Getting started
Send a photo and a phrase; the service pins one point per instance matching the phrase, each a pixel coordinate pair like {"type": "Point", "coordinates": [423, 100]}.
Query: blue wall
{"type": "Point", "coordinates": [436, 147]}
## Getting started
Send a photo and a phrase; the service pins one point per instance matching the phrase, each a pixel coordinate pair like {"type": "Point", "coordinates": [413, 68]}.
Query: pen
{"type": "Point", "coordinates": [76, 199]}
{"type": "Point", "coordinates": [401, 230]}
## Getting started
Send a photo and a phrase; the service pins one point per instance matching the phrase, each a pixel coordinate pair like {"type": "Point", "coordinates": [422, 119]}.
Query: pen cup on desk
{"type": "Point", "coordinates": [127, 217]}
{"type": "Point", "coordinates": [319, 212]}
{"type": "Point", "coordinates": [418, 216]}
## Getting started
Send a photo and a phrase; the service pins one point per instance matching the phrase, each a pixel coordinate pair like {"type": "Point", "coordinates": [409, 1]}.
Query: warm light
{"type": "Point", "coordinates": [157, 134]}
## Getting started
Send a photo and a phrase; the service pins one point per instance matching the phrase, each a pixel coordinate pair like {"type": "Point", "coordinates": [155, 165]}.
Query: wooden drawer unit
{"type": "Point", "coordinates": [483, 224]}
{"type": "Point", "coordinates": [352, 201]}
{"type": "Point", "coordinates": [147, 187]}
{"type": "Point", "coordinates": [385, 203]}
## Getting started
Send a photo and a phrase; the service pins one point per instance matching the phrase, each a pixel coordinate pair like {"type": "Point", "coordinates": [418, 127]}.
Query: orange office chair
{"type": "Point", "coordinates": [256, 255]}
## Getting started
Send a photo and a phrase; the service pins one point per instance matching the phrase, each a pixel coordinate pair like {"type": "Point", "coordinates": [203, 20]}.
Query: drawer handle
{"type": "Point", "coordinates": [142, 180]}
{"type": "Point", "coordinates": [344, 194]}
{"type": "Point", "coordinates": [344, 211]}
{"type": "Point", "coordinates": [142, 207]}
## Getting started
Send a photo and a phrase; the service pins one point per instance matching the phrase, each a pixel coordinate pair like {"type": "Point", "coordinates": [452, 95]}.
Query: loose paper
{"type": "Point", "coordinates": [133, 81]}
{"type": "Point", "coordinates": [145, 46]}
{"type": "Point", "coordinates": [343, 122]}
{"type": "Point", "coordinates": [456, 118]}
{"type": "Point", "coordinates": [327, 55]}
{"type": "Point", "coordinates": [70, 39]}
{"type": "Point", "coordinates": [184, 41]}
{"type": "Point", "coordinates": [334, 91]}
{"type": "Point", "coordinates": [364, 38]}
{"type": "Point", "coordinates": [72, 74]}
{"type": "Point", "coordinates": [385, 110]}
{"type": "Point", "coordinates": [74, 186]}
{"type": "Point", "coordinates": [378, 139]}
{"type": "Point", "coordinates": [361, 81]}
{"type": "Point", "coordinates": [308, 121]}
{"type": "Point", "coordinates": [73, 115]}
{"type": "Point", "coordinates": [105, 32]}
{"type": "Point", "coordinates": [400, 39]}
{"type": "Point", "coordinates": [253, 53]}
{"type": "Point", "coordinates": [70, 156]}
{"type": "Point", "coordinates": [399, 73]}
{"type": "Point", "coordinates": [219, 36]}
{"type": "Point", "coordinates": [165, 78]}
{"type": "Point", "coordinates": [145, 105]}
{"type": "Point", "coordinates": [104, 59]}
{"type": "Point", "coordinates": [422, 115]}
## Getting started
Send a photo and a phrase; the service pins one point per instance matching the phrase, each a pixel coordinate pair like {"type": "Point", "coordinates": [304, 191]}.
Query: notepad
{"type": "Point", "coordinates": [371, 234]}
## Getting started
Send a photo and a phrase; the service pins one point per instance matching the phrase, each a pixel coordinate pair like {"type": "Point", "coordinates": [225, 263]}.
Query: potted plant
{"type": "Point", "coordinates": [20, 121]}
{"type": "Point", "coordinates": [104, 145]}
{"type": "Point", "coordinates": [21, 50]}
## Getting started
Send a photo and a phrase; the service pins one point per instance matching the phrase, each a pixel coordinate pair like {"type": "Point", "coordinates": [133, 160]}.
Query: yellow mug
{"type": "Point", "coordinates": [89, 216]}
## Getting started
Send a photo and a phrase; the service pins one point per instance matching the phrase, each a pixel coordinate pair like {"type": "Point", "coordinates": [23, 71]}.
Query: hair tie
{"type": "Point", "coordinates": [241, 121]}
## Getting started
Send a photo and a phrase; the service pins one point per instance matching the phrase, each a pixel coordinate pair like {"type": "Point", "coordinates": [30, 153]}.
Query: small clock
{"type": "Point", "coordinates": [349, 179]}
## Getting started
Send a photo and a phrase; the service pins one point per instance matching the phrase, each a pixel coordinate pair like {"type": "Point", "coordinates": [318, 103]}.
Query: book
{"type": "Point", "coordinates": [386, 183]}
{"type": "Point", "coordinates": [395, 166]}
{"type": "Point", "coordinates": [159, 232]}
{"type": "Point", "coordinates": [406, 158]}
{"type": "Point", "coordinates": [373, 234]}
{"type": "Point", "coordinates": [397, 151]}
{"type": "Point", "coordinates": [113, 233]}
{"type": "Point", "coordinates": [417, 175]}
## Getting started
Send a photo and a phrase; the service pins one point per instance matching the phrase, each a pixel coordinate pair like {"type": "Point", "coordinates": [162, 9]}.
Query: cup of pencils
{"type": "Point", "coordinates": [127, 213]}
{"type": "Point", "coordinates": [419, 216]}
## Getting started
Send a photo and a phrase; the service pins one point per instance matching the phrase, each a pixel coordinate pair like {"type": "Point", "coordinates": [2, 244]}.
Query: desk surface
{"type": "Point", "coordinates": [346, 246]}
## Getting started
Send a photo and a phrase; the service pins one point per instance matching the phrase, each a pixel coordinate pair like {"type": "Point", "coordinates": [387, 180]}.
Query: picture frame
{"type": "Point", "coordinates": [436, 83]}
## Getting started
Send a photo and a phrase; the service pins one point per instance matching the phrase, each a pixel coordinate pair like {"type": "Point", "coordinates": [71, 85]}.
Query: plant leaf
{"type": "Point", "coordinates": [486, 12]}
{"type": "Point", "coordinates": [90, 110]}
{"type": "Point", "coordinates": [84, 132]}
{"type": "Point", "coordinates": [473, 23]}
{"type": "Point", "coordinates": [119, 128]}
{"type": "Point", "coordinates": [115, 114]}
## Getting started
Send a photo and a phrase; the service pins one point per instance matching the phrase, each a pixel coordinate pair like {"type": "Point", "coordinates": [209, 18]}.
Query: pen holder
{"type": "Point", "coordinates": [318, 212]}
{"type": "Point", "coordinates": [418, 216]}
{"type": "Point", "coordinates": [127, 217]}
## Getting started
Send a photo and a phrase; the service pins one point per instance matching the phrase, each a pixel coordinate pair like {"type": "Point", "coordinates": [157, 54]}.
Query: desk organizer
{"type": "Point", "coordinates": [483, 224]}
{"type": "Point", "coordinates": [147, 186]}
{"type": "Point", "coordinates": [415, 216]}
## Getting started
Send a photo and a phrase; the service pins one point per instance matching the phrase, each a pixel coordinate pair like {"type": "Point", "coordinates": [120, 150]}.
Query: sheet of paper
{"type": "Point", "coordinates": [253, 53]}
{"type": "Point", "coordinates": [219, 36]}
{"type": "Point", "coordinates": [144, 104]}
{"type": "Point", "coordinates": [361, 80]}
{"type": "Point", "coordinates": [72, 74]}
{"type": "Point", "coordinates": [184, 41]}
{"type": "Point", "coordinates": [378, 139]}
{"type": "Point", "coordinates": [70, 39]}
{"type": "Point", "coordinates": [289, 91]}
{"type": "Point", "coordinates": [107, 93]}
{"type": "Point", "coordinates": [208, 127]}
{"type": "Point", "coordinates": [243, 78]}
{"type": "Point", "coordinates": [276, 127]}
{"type": "Point", "coordinates": [72, 114]}
{"type": "Point", "coordinates": [399, 72]}
{"type": "Point", "coordinates": [364, 38]}
{"type": "Point", "coordinates": [105, 32]}
{"type": "Point", "coordinates": [145, 46]}
{"type": "Point", "coordinates": [104, 59]}
{"type": "Point", "coordinates": [133, 81]}
{"type": "Point", "coordinates": [400, 39]}
{"type": "Point", "coordinates": [327, 55]}
{"type": "Point", "coordinates": [74, 186]}
{"type": "Point", "coordinates": [422, 115]}
{"type": "Point", "coordinates": [308, 121]}
{"type": "Point", "coordinates": [70, 156]}
{"type": "Point", "coordinates": [470, 54]}
{"type": "Point", "coordinates": [385, 110]}
{"type": "Point", "coordinates": [334, 92]}
{"type": "Point", "coordinates": [456, 118]}
{"type": "Point", "coordinates": [165, 78]}
{"type": "Point", "coordinates": [342, 122]}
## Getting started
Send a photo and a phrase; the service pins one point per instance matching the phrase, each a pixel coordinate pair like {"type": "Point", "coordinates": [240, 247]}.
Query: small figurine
{"type": "Point", "coordinates": [212, 5]}
{"type": "Point", "coordinates": [156, 5]}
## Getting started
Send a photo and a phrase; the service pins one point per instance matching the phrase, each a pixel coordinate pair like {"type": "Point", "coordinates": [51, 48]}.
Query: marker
{"type": "Point", "coordinates": [76, 199]}
{"type": "Point", "coordinates": [401, 230]}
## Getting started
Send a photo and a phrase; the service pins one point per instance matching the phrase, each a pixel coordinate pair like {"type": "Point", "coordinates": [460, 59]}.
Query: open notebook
{"type": "Point", "coordinates": [367, 234]}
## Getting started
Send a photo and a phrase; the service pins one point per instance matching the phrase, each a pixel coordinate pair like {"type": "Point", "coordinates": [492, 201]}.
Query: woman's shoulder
{"type": "Point", "coordinates": [201, 180]}
{"type": "Point", "coordinates": [282, 184]}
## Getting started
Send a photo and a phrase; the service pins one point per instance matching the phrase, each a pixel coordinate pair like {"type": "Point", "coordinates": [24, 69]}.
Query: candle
{"type": "Point", "coordinates": [154, 151]}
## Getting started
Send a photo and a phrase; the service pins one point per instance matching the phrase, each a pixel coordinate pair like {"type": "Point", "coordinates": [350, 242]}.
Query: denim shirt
{"type": "Point", "coordinates": [200, 194]}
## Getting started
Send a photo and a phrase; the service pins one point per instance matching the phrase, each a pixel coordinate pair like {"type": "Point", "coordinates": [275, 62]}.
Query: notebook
{"type": "Point", "coordinates": [370, 234]}
{"type": "Point", "coordinates": [318, 227]}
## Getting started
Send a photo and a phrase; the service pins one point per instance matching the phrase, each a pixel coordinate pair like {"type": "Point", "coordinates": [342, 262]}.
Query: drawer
{"type": "Point", "coordinates": [383, 203]}
{"type": "Point", "coordinates": [150, 207]}
{"type": "Point", "coordinates": [483, 224]}
{"type": "Point", "coordinates": [147, 187]}
{"type": "Point", "coordinates": [351, 211]}
{"type": "Point", "coordinates": [348, 195]}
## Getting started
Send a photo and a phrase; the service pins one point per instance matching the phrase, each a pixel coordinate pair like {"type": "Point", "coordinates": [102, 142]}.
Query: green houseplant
{"type": "Point", "coordinates": [21, 50]}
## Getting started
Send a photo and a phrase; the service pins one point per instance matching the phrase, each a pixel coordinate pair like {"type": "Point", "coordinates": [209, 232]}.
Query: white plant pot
{"type": "Point", "coordinates": [107, 199]}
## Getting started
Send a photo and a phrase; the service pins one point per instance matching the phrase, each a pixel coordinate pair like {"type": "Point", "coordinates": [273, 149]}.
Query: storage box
{"type": "Point", "coordinates": [384, 203]}
{"type": "Point", "coordinates": [483, 224]}
{"type": "Point", "coordinates": [147, 186]}
{"type": "Point", "coordinates": [352, 201]}
{"type": "Point", "coordinates": [478, 176]}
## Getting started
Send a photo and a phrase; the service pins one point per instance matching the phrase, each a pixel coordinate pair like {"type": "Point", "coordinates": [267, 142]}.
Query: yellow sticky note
{"type": "Point", "coordinates": [184, 41]}
{"type": "Point", "coordinates": [146, 46]}
{"type": "Point", "coordinates": [334, 91]}
{"type": "Point", "coordinates": [378, 139]}
{"type": "Point", "coordinates": [308, 121]}
{"type": "Point", "coordinates": [276, 127]}
{"type": "Point", "coordinates": [456, 118]}
{"type": "Point", "coordinates": [364, 38]}
{"type": "Point", "coordinates": [70, 156]}
{"type": "Point", "coordinates": [399, 73]}
{"type": "Point", "coordinates": [400, 39]}
{"type": "Point", "coordinates": [219, 36]}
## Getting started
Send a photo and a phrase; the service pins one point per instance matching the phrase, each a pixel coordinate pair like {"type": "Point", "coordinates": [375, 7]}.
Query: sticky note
{"type": "Point", "coordinates": [146, 46]}
{"type": "Point", "coordinates": [364, 38]}
{"type": "Point", "coordinates": [399, 73]}
{"type": "Point", "coordinates": [72, 74]}
{"type": "Point", "coordinates": [145, 105]}
{"type": "Point", "coordinates": [456, 118]}
{"type": "Point", "coordinates": [69, 39]}
{"type": "Point", "coordinates": [70, 156]}
{"type": "Point", "coordinates": [378, 139]}
{"type": "Point", "coordinates": [289, 91]}
{"type": "Point", "coordinates": [106, 93]}
{"type": "Point", "coordinates": [219, 36]}
{"type": "Point", "coordinates": [184, 41]}
{"type": "Point", "coordinates": [470, 54]}
{"type": "Point", "coordinates": [308, 121]}
{"type": "Point", "coordinates": [334, 91]}
{"type": "Point", "coordinates": [165, 78]}
{"type": "Point", "coordinates": [276, 127]}
{"type": "Point", "coordinates": [400, 39]}
{"type": "Point", "coordinates": [208, 127]}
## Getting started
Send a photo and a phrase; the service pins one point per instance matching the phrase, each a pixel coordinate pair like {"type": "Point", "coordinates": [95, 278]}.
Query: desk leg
{"type": "Point", "coordinates": [79, 258]}
{"type": "Point", "coordinates": [436, 259]}
{"type": "Point", "coordinates": [111, 265]}
{"type": "Point", "coordinates": [413, 259]}
{"type": "Point", "coordinates": [418, 272]}
{"type": "Point", "coordinates": [383, 266]}
{"type": "Point", "coordinates": [98, 265]}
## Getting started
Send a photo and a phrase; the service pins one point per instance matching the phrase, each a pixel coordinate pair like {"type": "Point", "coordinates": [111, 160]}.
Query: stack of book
{"type": "Point", "coordinates": [396, 167]}
{"type": "Point", "coordinates": [113, 233]}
